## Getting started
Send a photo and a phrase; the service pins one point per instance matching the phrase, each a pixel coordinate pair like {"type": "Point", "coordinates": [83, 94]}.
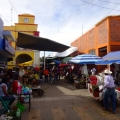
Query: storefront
{"type": "Point", "coordinates": [6, 50]}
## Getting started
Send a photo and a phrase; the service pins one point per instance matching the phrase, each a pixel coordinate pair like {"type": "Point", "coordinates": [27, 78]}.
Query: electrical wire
{"type": "Point", "coordinates": [74, 15]}
{"type": "Point", "coordinates": [5, 19]}
{"type": "Point", "coordinates": [108, 2]}
{"type": "Point", "coordinates": [107, 13]}
{"type": "Point", "coordinates": [71, 16]}
{"type": "Point", "coordinates": [99, 6]}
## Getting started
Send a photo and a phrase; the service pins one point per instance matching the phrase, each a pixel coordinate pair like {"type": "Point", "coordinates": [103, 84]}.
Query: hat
{"type": "Point", "coordinates": [107, 71]}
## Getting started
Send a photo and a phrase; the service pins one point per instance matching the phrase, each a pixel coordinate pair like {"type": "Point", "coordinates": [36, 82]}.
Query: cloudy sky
{"type": "Point", "coordinates": [60, 20]}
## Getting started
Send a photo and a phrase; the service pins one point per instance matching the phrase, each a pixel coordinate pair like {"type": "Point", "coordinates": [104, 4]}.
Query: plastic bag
{"type": "Point", "coordinates": [20, 106]}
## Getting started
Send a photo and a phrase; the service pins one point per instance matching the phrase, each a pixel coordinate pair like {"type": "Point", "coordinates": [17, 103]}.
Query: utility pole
{"type": "Point", "coordinates": [11, 15]}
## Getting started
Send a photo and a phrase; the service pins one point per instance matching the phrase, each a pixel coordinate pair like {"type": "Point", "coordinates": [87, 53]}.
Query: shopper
{"type": "Point", "coordinates": [46, 73]}
{"type": "Point", "coordinates": [109, 91]}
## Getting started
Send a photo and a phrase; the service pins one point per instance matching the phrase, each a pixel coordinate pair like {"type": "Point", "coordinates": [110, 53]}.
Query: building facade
{"type": "Point", "coordinates": [26, 24]}
{"type": "Point", "coordinates": [103, 38]}
{"type": "Point", "coordinates": [6, 50]}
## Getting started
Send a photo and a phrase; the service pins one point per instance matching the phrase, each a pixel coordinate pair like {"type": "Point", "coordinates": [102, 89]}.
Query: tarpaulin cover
{"type": "Point", "coordinates": [64, 53]}
{"type": "Point", "coordinates": [38, 43]}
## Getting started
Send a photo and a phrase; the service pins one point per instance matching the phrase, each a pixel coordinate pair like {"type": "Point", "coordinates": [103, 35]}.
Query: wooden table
{"type": "Point", "coordinates": [19, 96]}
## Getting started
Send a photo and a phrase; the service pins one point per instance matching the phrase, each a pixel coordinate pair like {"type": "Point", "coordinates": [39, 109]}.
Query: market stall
{"type": "Point", "coordinates": [96, 84]}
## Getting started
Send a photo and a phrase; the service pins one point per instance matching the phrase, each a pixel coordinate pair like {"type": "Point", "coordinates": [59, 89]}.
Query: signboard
{"type": "Point", "coordinates": [9, 48]}
{"type": "Point", "coordinates": [1, 28]}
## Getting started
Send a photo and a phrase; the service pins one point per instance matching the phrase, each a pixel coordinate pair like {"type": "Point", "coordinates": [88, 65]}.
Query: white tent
{"type": "Point", "coordinates": [65, 53]}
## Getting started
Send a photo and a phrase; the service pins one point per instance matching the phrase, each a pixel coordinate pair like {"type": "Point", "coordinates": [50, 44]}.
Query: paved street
{"type": "Point", "coordinates": [63, 101]}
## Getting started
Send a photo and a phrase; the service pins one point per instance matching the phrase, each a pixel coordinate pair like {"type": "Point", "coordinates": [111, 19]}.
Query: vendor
{"type": "Point", "coordinates": [4, 91]}
{"type": "Point", "coordinates": [93, 71]}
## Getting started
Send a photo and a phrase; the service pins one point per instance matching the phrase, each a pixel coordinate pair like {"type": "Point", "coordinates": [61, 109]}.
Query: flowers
{"type": "Point", "coordinates": [93, 80]}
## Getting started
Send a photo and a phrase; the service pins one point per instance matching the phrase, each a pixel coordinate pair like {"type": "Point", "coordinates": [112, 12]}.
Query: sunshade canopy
{"type": "Point", "coordinates": [57, 61]}
{"type": "Point", "coordinates": [112, 56]}
{"type": "Point", "coordinates": [86, 59]}
{"type": "Point", "coordinates": [105, 62]}
{"type": "Point", "coordinates": [66, 59]}
{"type": "Point", "coordinates": [39, 43]}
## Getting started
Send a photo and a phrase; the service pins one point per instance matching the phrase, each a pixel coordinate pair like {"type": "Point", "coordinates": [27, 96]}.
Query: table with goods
{"type": "Point", "coordinates": [96, 84]}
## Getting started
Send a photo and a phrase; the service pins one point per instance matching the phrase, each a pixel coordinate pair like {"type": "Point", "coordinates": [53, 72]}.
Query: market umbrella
{"type": "Point", "coordinates": [66, 59]}
{"type": "Point", "coordinates": [107, 62]}
{"type": "Point", "coordinates": [112, 56]}
{"type": "Point", "coordinates": [56, 61]}
{"type": "Point", "coordinates": [86, 59]}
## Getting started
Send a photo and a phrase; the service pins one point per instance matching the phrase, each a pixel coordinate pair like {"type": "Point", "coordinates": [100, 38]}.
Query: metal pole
{"type": "Point", "coordinates": [44, 60]}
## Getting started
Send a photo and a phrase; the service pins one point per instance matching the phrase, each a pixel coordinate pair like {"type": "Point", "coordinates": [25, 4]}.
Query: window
{"type": "Point", "coordinates": [92, 52]}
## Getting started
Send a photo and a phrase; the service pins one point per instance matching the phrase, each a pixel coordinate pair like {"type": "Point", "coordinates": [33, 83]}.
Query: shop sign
{"type": "Point", "coordinates": [1, 28]}
{"type": "Point", "coordinates": [9, 48]}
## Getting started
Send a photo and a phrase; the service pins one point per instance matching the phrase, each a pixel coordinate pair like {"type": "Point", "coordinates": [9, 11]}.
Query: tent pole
{"type": "Point", "coordinates": [44, 60]}
{"type": "Point", "coordinates": [108, 66]}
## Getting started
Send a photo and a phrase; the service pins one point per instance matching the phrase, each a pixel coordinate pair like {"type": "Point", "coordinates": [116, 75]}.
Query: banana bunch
{"type": "Point", "coordinates": [36, 76]}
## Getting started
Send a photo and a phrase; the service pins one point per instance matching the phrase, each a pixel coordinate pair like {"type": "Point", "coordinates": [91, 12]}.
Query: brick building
{"type": "Point", "coordinates": [103, 38]}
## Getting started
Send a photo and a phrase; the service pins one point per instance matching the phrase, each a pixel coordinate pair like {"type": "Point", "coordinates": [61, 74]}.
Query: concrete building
{"type": "Point", "coordinates": [103, 38]}
{"type": "Point", "coordinates": [26, 24]}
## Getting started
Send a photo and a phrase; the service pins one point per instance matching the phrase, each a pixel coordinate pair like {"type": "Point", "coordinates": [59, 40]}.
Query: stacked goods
{"type": "Point", "coordinates": [95, 88]}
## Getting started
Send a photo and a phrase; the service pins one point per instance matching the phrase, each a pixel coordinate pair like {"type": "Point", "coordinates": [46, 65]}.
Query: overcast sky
{"type": "Point", "coordinates": [60, 20]}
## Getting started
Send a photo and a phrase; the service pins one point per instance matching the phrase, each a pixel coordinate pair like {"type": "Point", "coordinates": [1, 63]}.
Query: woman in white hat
{"type": "Point", "coordinates": [109, 91]}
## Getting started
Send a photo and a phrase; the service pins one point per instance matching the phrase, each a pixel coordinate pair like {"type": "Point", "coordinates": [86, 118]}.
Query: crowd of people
{"type": "Point", "coordinates": [35, 76]}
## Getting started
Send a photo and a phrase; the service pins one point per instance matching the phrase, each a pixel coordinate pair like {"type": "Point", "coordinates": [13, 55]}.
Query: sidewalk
{"type": "Point", "coordinates": [62, 101]}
